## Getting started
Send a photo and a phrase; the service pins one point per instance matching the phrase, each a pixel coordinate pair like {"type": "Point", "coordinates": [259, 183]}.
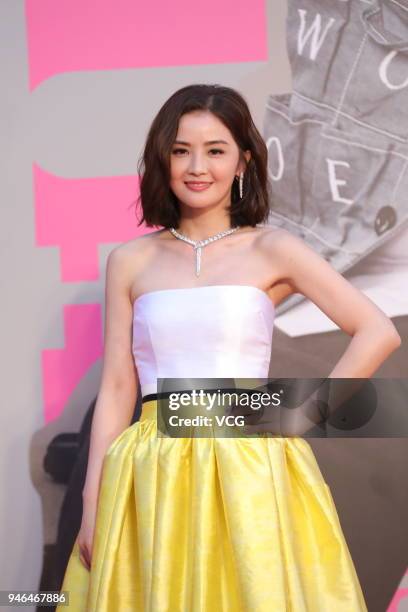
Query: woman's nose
{"type": "Point", "coordinates": [197, 164]}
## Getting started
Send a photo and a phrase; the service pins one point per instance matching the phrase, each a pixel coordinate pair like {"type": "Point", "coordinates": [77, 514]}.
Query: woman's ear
{"type": "Point", "coordinates": [244, 161]}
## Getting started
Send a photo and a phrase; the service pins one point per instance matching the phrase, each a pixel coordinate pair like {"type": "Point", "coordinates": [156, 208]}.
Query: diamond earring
{"type": "Point", "coordinates": [241, 184]}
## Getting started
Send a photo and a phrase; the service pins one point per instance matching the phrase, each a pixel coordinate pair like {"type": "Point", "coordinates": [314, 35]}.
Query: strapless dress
{"type": "Point", "coordinates": [211, 524]}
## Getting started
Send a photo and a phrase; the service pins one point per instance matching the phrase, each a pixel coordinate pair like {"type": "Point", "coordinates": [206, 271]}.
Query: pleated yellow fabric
{"type": "Point", "coordinates": [213, 524]}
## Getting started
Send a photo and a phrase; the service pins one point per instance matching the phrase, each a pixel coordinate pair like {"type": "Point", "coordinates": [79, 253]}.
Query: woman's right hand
{"type": "Point", "coordinates": [85, 537]}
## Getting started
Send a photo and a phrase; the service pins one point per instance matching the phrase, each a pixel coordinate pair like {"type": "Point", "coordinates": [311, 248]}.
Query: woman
{"type": "Point", "coordinates": [231, 524]}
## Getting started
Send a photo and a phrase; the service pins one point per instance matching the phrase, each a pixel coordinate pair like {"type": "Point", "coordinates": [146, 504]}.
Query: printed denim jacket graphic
{"type": "Point", "coordinates": [338, 144]}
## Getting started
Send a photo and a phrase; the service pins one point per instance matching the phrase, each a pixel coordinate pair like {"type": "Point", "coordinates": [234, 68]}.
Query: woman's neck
{"type": "Point", "coordinates": [201, 231]}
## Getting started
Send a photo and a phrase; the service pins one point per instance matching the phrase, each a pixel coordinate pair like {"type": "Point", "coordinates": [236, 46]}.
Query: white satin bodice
{"type": "Point", "coordinates": [215, 331]}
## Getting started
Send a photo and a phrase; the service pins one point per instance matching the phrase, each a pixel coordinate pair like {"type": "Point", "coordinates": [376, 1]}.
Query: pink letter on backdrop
{"type": "Point", "coordinates": [62, 369]}
{"type": "Point", "coordinates": [78, 214]}
{"type": "Point", "coordinates": [74, 35]}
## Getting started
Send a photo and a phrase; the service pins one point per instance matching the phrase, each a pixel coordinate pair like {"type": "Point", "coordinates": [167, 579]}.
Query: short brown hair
{"type": "Point", "coordinates": [158, 202]}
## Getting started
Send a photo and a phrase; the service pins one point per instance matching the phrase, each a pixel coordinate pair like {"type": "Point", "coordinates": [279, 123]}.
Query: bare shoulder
{"type": "Point", "coordinates": [290, 254]}
{"type": "Point", "coordinates": [130, 257]}
{"type": "Point", "coordinates": [275, 240]}
{"type": "Point", "coordinates": [139, 243]}
{"type": "Point", "coordinates": [138, 247]}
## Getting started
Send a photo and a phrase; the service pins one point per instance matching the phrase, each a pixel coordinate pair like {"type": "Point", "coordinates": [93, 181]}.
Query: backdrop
{"type": "Point", "coordinates": [81, 82]}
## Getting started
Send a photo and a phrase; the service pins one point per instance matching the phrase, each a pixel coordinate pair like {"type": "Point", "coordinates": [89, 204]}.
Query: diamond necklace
{"type": "Point", "coordinates": [199, 244]}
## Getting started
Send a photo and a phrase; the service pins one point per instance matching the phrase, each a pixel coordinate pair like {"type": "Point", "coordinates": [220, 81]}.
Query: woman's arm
{"type": "Point", "coordinates": [117, 395]}
{"type": "Point", "coordinates": [374, 336]}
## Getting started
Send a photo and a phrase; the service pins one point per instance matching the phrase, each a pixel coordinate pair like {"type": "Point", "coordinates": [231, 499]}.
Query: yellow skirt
{"type": "Point", "coordinates": [213, 524]}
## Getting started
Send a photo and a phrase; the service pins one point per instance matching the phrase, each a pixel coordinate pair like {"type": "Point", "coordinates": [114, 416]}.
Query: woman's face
{"type": "Point", "coordinates": [204, 160]}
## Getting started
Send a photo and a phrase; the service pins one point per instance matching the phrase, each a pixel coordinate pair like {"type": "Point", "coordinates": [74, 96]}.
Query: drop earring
{"type": "Point", "coordinates": [241, 184]}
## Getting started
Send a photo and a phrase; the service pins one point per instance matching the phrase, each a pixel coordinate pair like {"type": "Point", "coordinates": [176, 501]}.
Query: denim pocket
{"type": "Point", "coordinates": [359, 189]}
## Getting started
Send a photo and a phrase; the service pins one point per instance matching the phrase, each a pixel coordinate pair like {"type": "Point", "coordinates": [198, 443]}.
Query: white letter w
{"type": "Point", "coordinates": [314, 31]}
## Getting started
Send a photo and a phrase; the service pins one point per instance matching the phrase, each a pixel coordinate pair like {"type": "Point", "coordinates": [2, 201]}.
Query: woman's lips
{"type": "Point", "coordinates": [196, 186]}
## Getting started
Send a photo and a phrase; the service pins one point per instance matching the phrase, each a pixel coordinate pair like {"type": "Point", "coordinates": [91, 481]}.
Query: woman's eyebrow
{"type": "Point", "coordinates": [209, 142]}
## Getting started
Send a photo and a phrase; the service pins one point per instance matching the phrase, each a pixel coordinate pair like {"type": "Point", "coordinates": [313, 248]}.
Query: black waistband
{"type": "Point", "coordinates": [164, 394]}
{"type": "Point", "coordinates": [155, 396]}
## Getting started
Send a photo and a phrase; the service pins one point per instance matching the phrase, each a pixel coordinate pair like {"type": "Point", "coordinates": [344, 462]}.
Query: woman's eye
{"type": "Point", "coordinates": [182, 151]}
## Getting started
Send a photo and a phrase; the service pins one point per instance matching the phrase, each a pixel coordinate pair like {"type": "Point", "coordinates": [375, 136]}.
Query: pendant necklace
{"type": "Point", "coordinates": [199, 244]}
